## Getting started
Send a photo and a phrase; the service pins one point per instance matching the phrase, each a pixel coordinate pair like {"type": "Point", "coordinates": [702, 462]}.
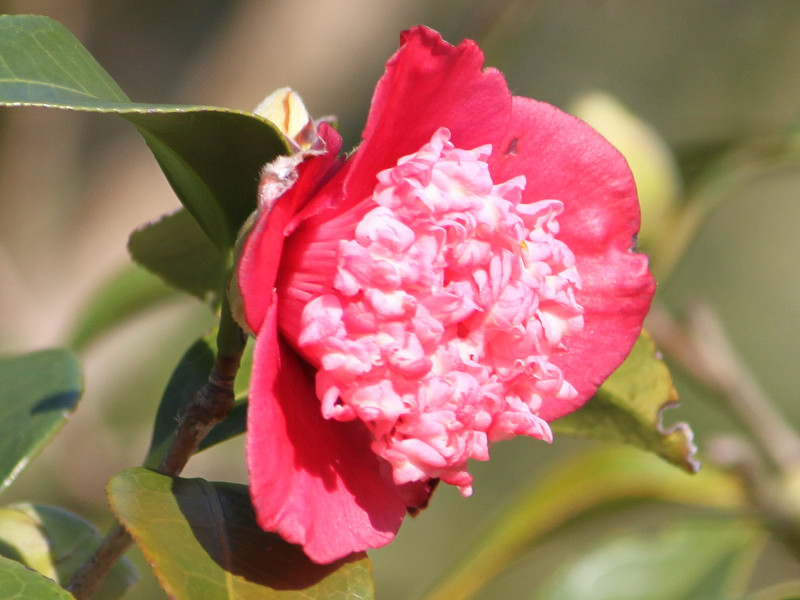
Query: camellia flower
{"type": "Point", "coordinates": [464, 277]}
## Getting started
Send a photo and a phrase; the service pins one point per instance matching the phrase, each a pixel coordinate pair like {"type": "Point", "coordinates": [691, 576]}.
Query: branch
{"type": "Point", "coordinates": [707, 353]}
{"type": "Point", "coordinates": [763, 492]}
{"type": "Point", "coordinates": [209, 406]}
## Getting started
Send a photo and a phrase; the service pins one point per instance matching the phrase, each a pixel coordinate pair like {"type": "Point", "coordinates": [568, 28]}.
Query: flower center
{"type": "Point", "coordinates": [447, 307]}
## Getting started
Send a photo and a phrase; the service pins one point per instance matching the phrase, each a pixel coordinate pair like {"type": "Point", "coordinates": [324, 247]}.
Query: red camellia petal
{"type": "Point", "coordinates": [429, 84]}
{"type": "Point", "coordinates": [313, 481]}
{"type": "Point", "coordinates": [562, 157]}
{"type": "Point", "coordinates": [261, 255]}
{"type": "Point", "coordinates": [466, 276]}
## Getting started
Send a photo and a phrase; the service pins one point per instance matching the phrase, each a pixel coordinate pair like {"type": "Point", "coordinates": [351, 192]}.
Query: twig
{"type": "Point", "coordinates": [763, 492]}
{"type": "Point", "coordinates": [707, 353]}
{"type": "Point", "coordinates": [88, 579]}
{"type": "Point", "coordinates": [209, 406]}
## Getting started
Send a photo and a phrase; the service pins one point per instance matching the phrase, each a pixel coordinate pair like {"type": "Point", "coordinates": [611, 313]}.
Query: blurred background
{"type": "Point", "coordinates": [715, 85]}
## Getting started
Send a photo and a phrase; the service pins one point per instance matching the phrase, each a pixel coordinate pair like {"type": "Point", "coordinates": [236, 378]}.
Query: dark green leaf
{"type": "Point", "coordinates": [17, 582]}
{"type": "Point", "coordinates": [211, 156]}
{"type": "Point", "coordinates": [127, 294]}
{"type": "Point", "coordinates": [37, 392]}
{"type": "Point", "coordinates": [603, 477]}
{"type": "Point", "coordinates": [178, 251]}
{"type": "Point", "coordinates": [206, 543]}
{"type": "Point", "coordinates": [55, 543]}
{"type": "Point", "coordinates": [694, 560]}
{"type": "Point", "coordinates": [628, 406]}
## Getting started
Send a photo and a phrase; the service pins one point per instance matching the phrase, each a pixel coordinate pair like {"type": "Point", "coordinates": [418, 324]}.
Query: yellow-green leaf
{"type": "Point", "coordinates": [628, 408]}
{"type": "Point", "coordinates": [55, 543]}
{"type": "Point", "coordinates": [18, 582]}
{"type": "Point", "coordinates": [203, 541]}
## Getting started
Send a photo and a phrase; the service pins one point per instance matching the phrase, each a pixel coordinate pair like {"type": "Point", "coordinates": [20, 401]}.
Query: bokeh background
{"type": "Point", "coordinates": [707, 76]}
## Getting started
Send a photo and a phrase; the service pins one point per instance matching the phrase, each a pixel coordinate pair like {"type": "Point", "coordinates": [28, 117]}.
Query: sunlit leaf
{"type": "Point", "coordinates": [211, 156]}
{"type": "Point", "coordinates": [38, 391]}
{"type": "Point", "coordinates": [603, 477]}
{"type": "Point", "coordinates": [628, 408]}
{"type": "Point", "coordinates": [206, 543]}
{"type": "Point", "coordinates": [18, 582]}
{"type": "Point", "coordinates": [178, 251]}
{"type": "Point", "coordinates": [129, 293]}
{"type": "Point", "coordinates": [693, 560]}
{"type": "Point", "coordinates": [55, 543]}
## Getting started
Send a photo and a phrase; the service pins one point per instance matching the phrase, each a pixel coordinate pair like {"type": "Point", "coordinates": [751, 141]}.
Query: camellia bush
{"type": "Point", "coordinates": [467, 274]}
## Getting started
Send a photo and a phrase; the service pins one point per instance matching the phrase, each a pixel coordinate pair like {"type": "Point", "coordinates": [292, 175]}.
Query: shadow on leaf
{"type": "Point", "coordinates": [222, 521]}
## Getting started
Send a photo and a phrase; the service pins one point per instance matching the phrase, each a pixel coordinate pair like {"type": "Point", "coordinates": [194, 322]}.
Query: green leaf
{"type": "Point", "coordinates": [17, 582]}
{"type": "Point", "coordinates": [206, 543]}
{"type": "Point", "coordinates": [603, 477]}
{"type": "Point", "coordinates": [55, 543]}
{"type": "Point", "coordinates": [628, 408]}
{"type": "Point", "coordinates": [39, 390]}
{"type": "Point", "coordinates": [211, 156]}
{"type": "Point", "coordinates": [127, 294]}
{"type": "Point", "coordinates": [692, 560]}
{"type": "Point", "coordinates": [178, 251]}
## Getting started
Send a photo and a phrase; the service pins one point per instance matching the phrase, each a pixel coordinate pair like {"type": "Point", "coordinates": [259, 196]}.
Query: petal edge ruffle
{"type": "Point", "coordinates": [429, 84]}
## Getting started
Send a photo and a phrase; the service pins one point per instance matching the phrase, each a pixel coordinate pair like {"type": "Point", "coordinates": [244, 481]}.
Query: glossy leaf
{"type": "Point", "coordinates": [693, 560]}
{"type": "Point", "coordinates": [55, 543]}
{"type": "Point", "coordinates": [628, 408]}
{"type": "Point", "coordinates": [603, 477]}
{"type": "Point", "coordinates": [39, 390]}
{"type": "Point", "coordinates": [211, 156]}
{"type": "Point", "coordinates": [17, 582]}
{"type": "Point", "coordinates": [127, 294]}
{"type": "Point", "coordinates": [177, 250]}
{"type": "Point", "coordinates": [206, 543]}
